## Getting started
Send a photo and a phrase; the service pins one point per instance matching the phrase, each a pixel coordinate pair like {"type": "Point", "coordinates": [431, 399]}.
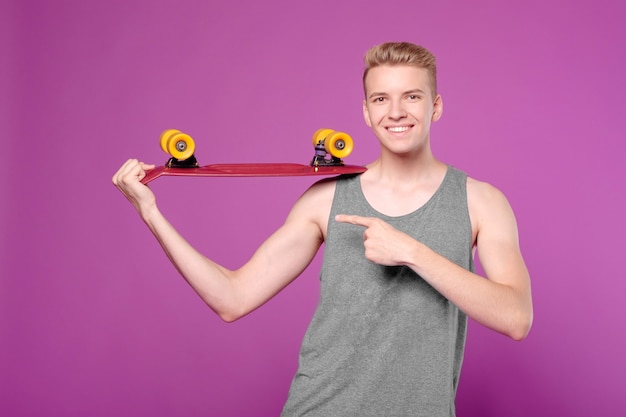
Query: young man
{"type": "Point", "coordinates": [397, 278]}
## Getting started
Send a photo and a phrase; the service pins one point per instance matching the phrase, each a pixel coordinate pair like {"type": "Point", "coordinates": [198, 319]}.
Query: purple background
{"type": "Point", "coordinates": [94, 321]}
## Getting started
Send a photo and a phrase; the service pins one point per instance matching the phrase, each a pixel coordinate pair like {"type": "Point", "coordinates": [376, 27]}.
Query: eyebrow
{"type": "Point", "coordinates": [413, 91]}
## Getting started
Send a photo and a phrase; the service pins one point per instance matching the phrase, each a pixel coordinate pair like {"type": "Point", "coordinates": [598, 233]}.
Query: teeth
{"type": "Point", "coordinates": [398, 129]}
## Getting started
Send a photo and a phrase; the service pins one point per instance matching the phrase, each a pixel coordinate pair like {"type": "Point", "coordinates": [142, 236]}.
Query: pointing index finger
{"type": "Point", "coordinates": [349, 218]}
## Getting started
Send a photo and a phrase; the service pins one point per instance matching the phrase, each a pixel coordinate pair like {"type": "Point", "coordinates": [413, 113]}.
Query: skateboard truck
{"type": "Point", "coordinates": [319, 159]}
{"type": "Point", "coordinates": [190, 162]}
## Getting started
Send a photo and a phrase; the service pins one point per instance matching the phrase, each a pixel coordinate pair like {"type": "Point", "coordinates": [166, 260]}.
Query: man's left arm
{"type": "Point", "coordinates": [505, 304]}
{"type": "Point", "coordinates": [501, 302]}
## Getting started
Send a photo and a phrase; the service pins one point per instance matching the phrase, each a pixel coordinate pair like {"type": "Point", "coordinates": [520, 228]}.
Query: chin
{"type": "Point", "coordinates": [404, 149]}
{"type": "Point", "coordinates": [401, 145]}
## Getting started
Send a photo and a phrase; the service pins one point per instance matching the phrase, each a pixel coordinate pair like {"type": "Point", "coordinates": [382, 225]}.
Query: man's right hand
{"type": "Point", "coordinates": [128, 180]}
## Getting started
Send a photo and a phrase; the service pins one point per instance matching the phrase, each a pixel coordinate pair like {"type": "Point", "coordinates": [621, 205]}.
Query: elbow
{"type": "Point", "coordinates": [520, 333]}
{"type": "Point", "coordinates": [519, 330]}
{"type": "Point", "coordinates": [228, 310]}
{"type": "Point", "coordinates": [227, 315]}
{"type": "Point", "coordinates": [230, 315]}
{"type": "Point", "coordinates": [229, 318]}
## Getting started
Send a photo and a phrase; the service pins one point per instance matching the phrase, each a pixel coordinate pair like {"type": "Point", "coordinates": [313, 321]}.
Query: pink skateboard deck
{"type": "Point", "coordinates": [253, 170]}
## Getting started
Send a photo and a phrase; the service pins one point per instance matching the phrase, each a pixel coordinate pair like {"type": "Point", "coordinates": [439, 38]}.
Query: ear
{"type": "Point", "coordinates": [437, 108]}
{"type": "Point", "coordinates": [366, 115]}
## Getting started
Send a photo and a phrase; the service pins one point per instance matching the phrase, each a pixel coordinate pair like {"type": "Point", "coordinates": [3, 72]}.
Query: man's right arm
{"type": "Point", "coordinates": [232, 293]}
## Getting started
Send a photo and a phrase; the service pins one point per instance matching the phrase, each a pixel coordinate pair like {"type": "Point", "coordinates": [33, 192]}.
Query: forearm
{"type": "Point", "coordinates": [499, 306]}
{"type": "Point", "coordinates": [217, 286]}
{"type": "Point", "coordinates": [212, 282]}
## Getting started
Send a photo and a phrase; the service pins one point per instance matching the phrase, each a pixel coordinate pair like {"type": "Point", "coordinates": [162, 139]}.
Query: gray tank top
{"type": "Point", "coordinates": [382, 341]}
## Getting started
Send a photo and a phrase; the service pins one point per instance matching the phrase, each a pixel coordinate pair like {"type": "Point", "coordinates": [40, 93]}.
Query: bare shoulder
{"type": "Point", "coordinates": [315, 204]}
{"type": "Point", "coordinates": [321, 192]}
{"type": "Point", "coordinates": [481, 193]}
{"type": "Point", "coordinates": [489, 207]}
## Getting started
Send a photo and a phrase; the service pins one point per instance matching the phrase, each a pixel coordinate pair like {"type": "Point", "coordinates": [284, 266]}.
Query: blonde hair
{"type": "Point", "coordinates": [402, 53]}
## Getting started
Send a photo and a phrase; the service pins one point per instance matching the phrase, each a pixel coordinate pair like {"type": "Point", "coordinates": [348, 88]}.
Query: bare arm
{"type": "Point", "coordinates": [231, 293]}
{"type": "Point", "coordinates": [508, 304]}
{"type": "Point", "coordinates": [503, 301]}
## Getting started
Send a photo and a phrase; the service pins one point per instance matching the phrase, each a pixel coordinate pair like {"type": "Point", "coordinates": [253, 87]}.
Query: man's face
{"type": "Point", "coordinates": [399, 106]}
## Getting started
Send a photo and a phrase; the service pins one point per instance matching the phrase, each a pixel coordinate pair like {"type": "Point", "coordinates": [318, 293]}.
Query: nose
{"type": "Point", "coordinates": [396, 110]}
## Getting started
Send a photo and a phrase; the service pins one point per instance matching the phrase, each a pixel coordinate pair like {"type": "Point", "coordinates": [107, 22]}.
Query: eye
{"type": "Point", "coordinates": [378, 100]}
{"type": "Point", "coordinates": [413, 97]}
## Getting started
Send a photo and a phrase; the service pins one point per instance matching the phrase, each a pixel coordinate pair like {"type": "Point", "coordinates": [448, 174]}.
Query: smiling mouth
{"type": "Point", "coordinates": [398, 129]}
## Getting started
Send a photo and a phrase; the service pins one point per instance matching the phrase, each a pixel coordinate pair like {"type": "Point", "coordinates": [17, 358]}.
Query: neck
{"type": "Point", "coordinates": [400, 167]}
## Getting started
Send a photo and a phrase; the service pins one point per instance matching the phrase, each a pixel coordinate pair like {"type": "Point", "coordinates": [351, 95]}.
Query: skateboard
{"type": "Point", "coordinates": [330, 149]}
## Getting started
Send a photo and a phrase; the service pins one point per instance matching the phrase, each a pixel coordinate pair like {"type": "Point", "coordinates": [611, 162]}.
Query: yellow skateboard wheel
{"type": "Point", "coordinates": [320, 135]}
{"type": "Point", "coordinates": [165, 136]}
{"type": "Point", "coordinates": [178, 144]}
{"type": "Point", "coordinates": [339, 144]}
